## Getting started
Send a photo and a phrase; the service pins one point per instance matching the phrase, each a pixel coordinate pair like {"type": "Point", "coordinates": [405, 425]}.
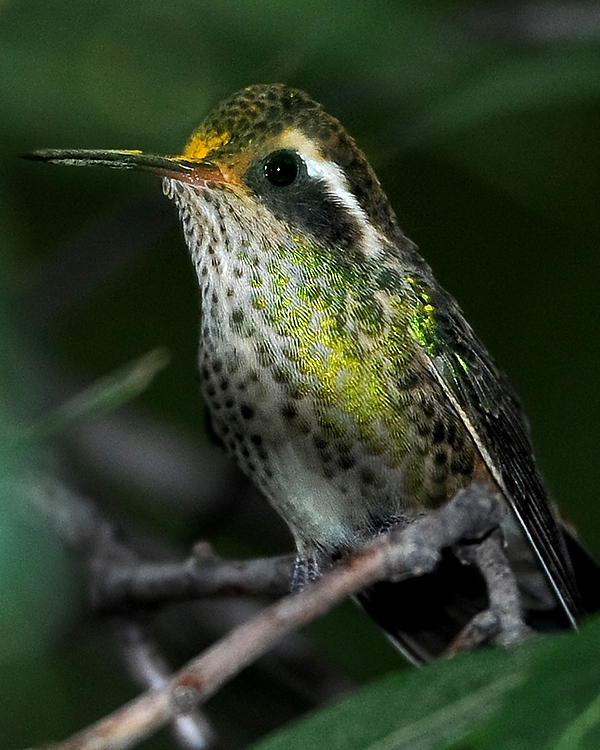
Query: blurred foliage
{"type": "Point", "coordinates": [543, 695]}
{"type": "Point", "coordinates": [484, 130]}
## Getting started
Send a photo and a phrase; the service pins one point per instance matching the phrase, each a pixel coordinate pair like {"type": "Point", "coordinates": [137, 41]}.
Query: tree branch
{"type": "Point", "coordinates": [402, 553]}
{"type": "Point", "coordinates": [204, 574]}
{"type": "Point", "coordinates": [150, 670]}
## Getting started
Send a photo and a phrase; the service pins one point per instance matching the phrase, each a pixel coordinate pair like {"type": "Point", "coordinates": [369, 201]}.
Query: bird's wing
{"type": "Point", "coordinates": [492, 414]}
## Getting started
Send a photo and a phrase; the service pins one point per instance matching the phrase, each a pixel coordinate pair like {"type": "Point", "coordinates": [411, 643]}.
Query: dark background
{"type": "Point", "coordinates": [482, 123]}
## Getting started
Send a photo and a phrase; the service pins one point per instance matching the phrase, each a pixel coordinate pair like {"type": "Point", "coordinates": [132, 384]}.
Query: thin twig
{"type": "Point", "coordinates": [121, 578]}
{"type": "Point", "coordinates": [413, 550]}
{"type": "Point", "coordinates": [204, 574]}
{"type": "Point", "coordinates": [503, 592]}
{"type": "Point", "coordinates": [151, 671]}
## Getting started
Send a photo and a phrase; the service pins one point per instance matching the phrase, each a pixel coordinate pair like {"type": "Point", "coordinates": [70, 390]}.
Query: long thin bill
{"type": "Point", "coordinates": [114, 159]}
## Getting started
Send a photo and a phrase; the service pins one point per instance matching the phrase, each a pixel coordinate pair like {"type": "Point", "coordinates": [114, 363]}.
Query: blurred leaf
{"type": "Point", "coordinates": [103, 396]}
{"type": "Point", "coordinates": [558, 706]}
{"type": "Point", "coordinates": [35, 577]}
{"type": "Point", "coordinates": [544, 694]}
{"type": "Point", "coordinates": [422, 710]}
{"type": "Point", "coordinates": [37, 590]}
{"type": "Point", "coordinates": [508, 86]}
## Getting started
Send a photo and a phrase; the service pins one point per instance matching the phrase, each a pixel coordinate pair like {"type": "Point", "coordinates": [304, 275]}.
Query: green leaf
{"type": "Point", "coordinates": [511, 86]}
{"type": "Point", "coordinates": [421, 710]}
{"type": "Point", "coordinates": [544, 694]}
{"type": "Point", "coordinates": [102, 396]}
{"type": "Point", "coordinates": [36, 584]}
{"type": "Point", "coordinates": [558, 706]}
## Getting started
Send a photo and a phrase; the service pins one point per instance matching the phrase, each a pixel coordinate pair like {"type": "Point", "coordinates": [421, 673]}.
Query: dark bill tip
{"type": "Point", "coordinates": [114, 159]}
{"type": "Point", "coordinates": [194, 172]}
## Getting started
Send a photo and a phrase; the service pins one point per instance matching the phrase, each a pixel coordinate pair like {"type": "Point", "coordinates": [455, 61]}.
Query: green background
{"type": "Point", "coordinates": [484, 129]}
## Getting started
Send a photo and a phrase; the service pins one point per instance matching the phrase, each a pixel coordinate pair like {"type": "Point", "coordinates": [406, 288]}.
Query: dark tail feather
{"type": "Point", "coordinates": [587, 573]}
{"type": "Point", "coordinates": [424, 615]}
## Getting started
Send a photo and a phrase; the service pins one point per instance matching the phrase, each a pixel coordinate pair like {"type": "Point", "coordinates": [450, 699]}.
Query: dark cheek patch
{"type": "Point", "coordinates": [310, 208]}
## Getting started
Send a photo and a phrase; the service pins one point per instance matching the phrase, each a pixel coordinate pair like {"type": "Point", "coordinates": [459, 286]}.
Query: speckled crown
{"type": "Point", "coordinates": [265, 110]}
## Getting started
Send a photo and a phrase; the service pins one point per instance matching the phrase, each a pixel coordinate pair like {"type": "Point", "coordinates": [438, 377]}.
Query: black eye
{"type": "Point", "coordinates": [281, 168]}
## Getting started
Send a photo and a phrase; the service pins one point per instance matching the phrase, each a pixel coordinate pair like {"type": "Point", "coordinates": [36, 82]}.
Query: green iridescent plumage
{"type": "Point", "coordinates": [369, 334]}
{"type": "Point", "coordinates": [344, 380]}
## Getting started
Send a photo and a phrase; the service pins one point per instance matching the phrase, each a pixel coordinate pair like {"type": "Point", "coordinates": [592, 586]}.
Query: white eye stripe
{"type": "Point", "coordinates": [333, 177]}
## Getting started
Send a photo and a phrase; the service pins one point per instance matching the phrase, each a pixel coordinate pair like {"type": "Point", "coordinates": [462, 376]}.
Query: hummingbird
{"type": "Point", "coordinates": [341, 376]}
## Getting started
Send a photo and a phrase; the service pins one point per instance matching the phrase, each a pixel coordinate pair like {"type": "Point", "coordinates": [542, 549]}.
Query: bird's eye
{"type": "Point", "coordinates": [281, 168]}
